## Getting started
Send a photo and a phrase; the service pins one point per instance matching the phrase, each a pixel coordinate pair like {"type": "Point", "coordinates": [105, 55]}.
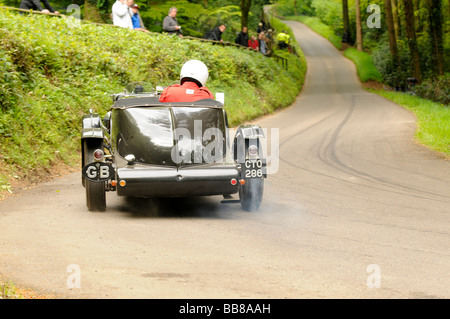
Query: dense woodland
{"type": "Point", "coordinates": [408, 39]}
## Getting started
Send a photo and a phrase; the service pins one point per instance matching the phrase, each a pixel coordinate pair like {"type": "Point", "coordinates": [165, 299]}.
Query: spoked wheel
{"type": "Point", "coordinates": [251, 194]}
{"type": "Point", "coordinates": [95, 191]}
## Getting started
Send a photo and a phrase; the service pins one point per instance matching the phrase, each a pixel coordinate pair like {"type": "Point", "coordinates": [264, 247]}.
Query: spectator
{"type": "Point", "coordinates": [242, 37]}
{"type": "Point", "coordinates": [262, 44]}
{"type": "Point", "coordinates": [216, 33]}
{"type": "Point", "coordinates": [269, 40]}
{"type": "Point", "coordinates": [170, 23]}
{"type": "Point", "coordinates": [283, 40]}
{"type": "Point", "coordinates": [122, 14]}
{"type": "Point", "coordinates": [253, 43]}
{"type": "Point", "coordinates": [193, 77]}
{"type": "Point", "coordinates": [36, 5]}
{"type": "Point", "coordinates": [136, 19]}
{"type": "Point", "coordinates": [260, 28]}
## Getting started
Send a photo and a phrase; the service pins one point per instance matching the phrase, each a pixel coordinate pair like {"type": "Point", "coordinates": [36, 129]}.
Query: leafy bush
{"type": "Point", "coordinates": [435, 89]}
{"type": "Point", "coordinates": [394, 74]}
{"type": "Point", "coordinates": [330, 13]}
{"type": "Point", "coordinates": [287, 8]}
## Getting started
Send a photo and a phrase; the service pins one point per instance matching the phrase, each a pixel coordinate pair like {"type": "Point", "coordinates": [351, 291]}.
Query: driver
{"type": "Point", "coordinates": [193, 77]}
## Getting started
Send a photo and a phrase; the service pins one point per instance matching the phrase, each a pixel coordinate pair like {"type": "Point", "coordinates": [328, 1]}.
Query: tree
{"type": "Point", "coordinates": [346, 38]}
{"type": "Point", "coordinates": [359, 40]}
{"type": "Point", "coordinates": [391, 31]}
{"type": "Point", "coordinates": [396, 17]}
{"type": "Point", "coordinates": [411, 35]}
{"type": "Point", "coordinates": [245, 9]}
{"type": "Point", "coordinates": [435, 21]}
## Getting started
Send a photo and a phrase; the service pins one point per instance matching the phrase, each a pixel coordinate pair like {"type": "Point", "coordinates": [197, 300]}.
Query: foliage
{"type": "Point", "coordinates": [375, 40]}
{"type": "Point", "coordinates": [291, 8]}
{"type": "Point", "coordinates": [364, 65]}
{"type": "Point", "coordinates": [330, 13]}
{"type": "Point", "coordinates": [394, 75]}
{"type": "Point", "coordinates": [52, 73]}
{"type": "Point", "coordinates": [435, 89]}
{"type": "Point", "coordinates": [319, 27]}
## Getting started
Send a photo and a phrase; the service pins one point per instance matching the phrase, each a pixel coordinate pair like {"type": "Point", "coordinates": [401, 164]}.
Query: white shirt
{"type": "Point", "coordinates": [121, 15]}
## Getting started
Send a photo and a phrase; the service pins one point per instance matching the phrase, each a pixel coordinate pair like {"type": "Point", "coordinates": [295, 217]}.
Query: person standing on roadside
{"type": "Point", "coordinates": [253, 43]}
{"type": "Point", "coordinates": [242, 37]}
{"type": "Point", "coordinates": [262, 44]}
{"type": "Point", "coordinates": [121, 14]}
{"type": "Point", "coordinates": [170, 23]}
{"type": "Point", "coordinates": [136, 19]}
{"type": "Point", "coordinates": [36, 5]}
{"type": "Point", "coordinates": [216, 33]}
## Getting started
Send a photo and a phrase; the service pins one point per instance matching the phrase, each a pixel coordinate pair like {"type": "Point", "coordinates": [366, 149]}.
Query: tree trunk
{"type": "Point", "coordinates": [435, 22]}
{"type": "Point", "coordinates": [245, 9]}
{"type": "Point", "coordinates": [346, 37]}
{"type": "Point", "coordinates": [396, 18]}
{"type": "Point", "coordinates": [391, 31]}
{"type": "Point", "coordinates": [359, 40]}
{"type": "Point", "coordinates": [91, 12]}
{"type": "Point", "coordinates": [411, 35]}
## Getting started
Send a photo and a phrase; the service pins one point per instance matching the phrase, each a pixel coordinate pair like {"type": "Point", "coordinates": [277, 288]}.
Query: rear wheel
{"type": "Point", "coordinates": [251, 194]}
{"type": "Point", "coordinates": [95, 191]}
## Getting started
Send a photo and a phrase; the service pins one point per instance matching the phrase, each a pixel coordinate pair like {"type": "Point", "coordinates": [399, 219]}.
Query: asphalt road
{"type": "Point", "coordinates": [356, 210]}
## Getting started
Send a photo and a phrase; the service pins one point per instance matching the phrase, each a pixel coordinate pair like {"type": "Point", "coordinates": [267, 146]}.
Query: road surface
{"type": "Point", "coordinates": [356, 210]}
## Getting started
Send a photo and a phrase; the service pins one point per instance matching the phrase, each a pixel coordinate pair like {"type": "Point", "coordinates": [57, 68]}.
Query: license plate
{"type": "Point", "coordinates": [254, 168]}
{"type": "Point", "coordinates": [98, 172]}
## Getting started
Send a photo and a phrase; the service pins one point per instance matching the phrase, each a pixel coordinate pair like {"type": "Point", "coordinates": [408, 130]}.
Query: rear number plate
{"type": "Point", "coordinates": [254, 168]}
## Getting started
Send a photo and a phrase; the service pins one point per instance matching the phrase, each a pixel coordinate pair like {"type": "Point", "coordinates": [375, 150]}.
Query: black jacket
{"type": "Point", "coordinates": [35, 5]}
{"type": "Point", "coordinates": [242, 39]}
{"type": "Point", "coordinates": [215, 34]}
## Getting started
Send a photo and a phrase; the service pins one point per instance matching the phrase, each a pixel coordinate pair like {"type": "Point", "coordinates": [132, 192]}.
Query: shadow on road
{"type": "Point", "coordinates": [192, 207]}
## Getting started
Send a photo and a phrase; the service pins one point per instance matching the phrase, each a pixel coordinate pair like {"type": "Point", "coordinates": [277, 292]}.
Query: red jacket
{"type": "Point", "coordinates": [187, 92]}
{"type": "Point", "coordinates": [253, 44]}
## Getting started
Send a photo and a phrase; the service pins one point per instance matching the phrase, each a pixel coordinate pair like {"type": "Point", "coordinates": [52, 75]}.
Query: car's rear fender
{"type": "Point", "coordinates": [246, 135]}
{"type": "Point", "coordinates": [92, 133]}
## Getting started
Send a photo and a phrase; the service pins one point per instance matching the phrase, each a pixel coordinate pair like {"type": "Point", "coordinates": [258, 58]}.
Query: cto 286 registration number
{"type": "Point", "coordinates": [254, 168]}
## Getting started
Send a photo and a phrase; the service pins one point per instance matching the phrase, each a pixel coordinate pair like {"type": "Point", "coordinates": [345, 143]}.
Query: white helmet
{"type": "Point", "coordinates": [196, 70]}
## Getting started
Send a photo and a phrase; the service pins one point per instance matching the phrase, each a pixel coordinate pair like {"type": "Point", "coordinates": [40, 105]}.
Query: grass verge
{"type": "Point", "coordinates": [8, 290]}
{"type": "Point", "coordinates": [364, 65]}
{"type": "Point", "coordinates": [433, 119]}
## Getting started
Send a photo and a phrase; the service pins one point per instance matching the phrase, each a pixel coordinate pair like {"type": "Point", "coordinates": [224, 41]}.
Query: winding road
{"type": "Point", "coordinates": [357, 209]}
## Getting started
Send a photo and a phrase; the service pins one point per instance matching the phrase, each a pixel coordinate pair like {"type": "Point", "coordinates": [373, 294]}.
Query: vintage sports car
{"type": "Point", "coordinates": [146, 148]}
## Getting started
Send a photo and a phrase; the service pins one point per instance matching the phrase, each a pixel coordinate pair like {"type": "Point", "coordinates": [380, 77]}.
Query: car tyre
{"type": "Point", "coordinates": [251, 194]}
{"type": "Point", "coordinates": [95, 191]}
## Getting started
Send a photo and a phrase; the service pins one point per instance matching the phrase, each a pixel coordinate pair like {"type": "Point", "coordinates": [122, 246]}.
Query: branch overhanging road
{"type": "Point", "coordinates": [356, 210]}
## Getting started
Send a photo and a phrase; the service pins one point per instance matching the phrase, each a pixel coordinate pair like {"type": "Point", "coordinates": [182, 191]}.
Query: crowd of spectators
{"type": "Point", "coordinates": [125, 14]}
{"type": "Point", "coordinates": [261, 41]}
